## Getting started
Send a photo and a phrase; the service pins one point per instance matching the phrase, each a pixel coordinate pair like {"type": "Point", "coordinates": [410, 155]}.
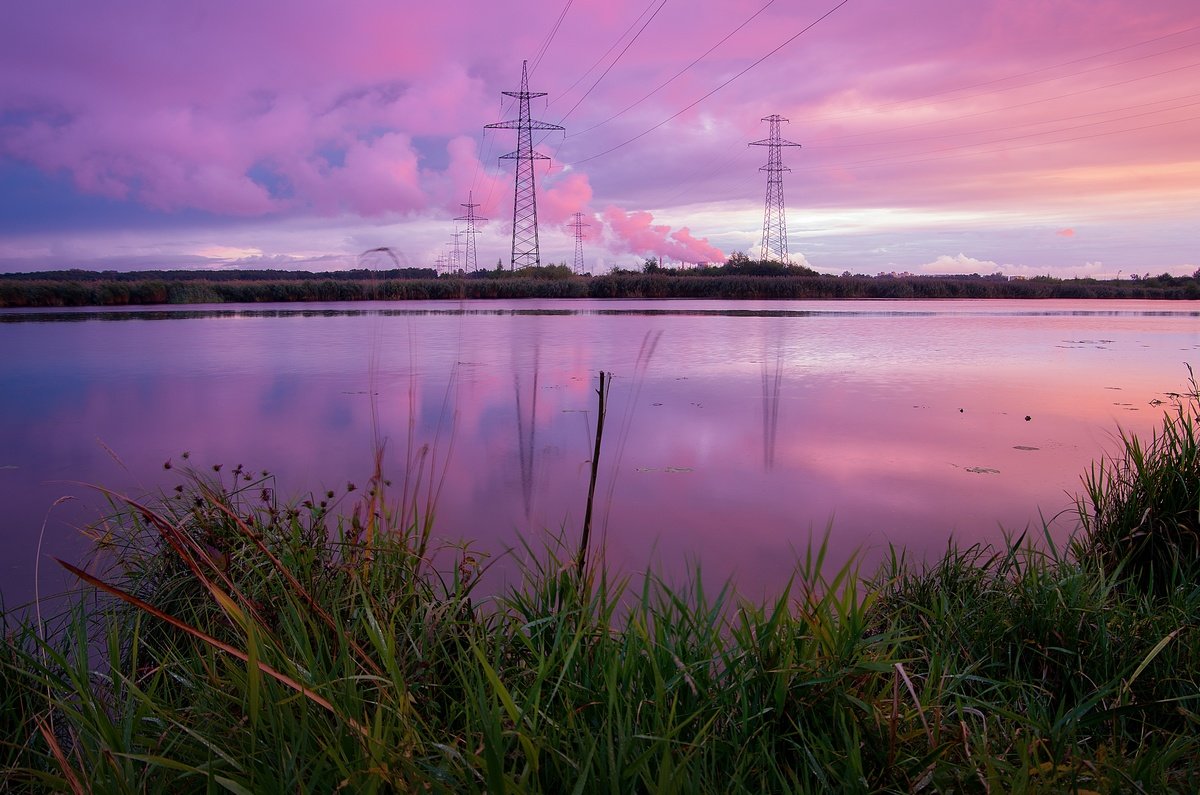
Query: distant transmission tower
{"type": "Point", "coordinates": [455, 252]}
{"type": "Point", "coordinates": [525, 230]}
{"type": "Point", "coordinates": [774, 239]}
{"type": "Point", "coordinates": [470, 263]}
{"type": "Point", "coordinates": [577, 225]}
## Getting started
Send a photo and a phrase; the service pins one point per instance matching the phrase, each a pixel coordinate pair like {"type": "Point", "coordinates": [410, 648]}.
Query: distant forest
{"type": "Point", "coordinates": [739, 278]}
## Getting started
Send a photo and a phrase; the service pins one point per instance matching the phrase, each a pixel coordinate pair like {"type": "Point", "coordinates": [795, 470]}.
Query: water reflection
{"type": "Point", "coordinates": [772, 383]}
{"type": "Point", "coordinates": [527, 422]}
{"type": "Point", "coordinates": [620, 308]}
{"type": "Point", "coordinates": [731, 435]}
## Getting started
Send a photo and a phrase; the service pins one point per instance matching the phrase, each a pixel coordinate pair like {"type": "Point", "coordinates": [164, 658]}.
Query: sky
{"type": "Point", "coordinates": [1028, 137]}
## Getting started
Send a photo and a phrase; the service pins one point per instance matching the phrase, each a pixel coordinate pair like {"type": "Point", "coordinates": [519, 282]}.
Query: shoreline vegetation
{"type": "Point", "coordinates": [224, 640]}
{"type": "Point", "coordinates": [739, 278]}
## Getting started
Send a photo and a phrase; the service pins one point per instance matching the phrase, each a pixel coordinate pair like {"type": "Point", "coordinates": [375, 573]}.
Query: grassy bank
{"type": "Point", "coordinates": [231, 643]}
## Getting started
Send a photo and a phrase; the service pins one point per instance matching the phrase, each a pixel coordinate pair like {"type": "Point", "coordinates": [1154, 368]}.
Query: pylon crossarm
{"type": "Point", "coordinates": [519, 156]}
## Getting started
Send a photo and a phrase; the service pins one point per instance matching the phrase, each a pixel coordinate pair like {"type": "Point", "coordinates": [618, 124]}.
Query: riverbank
{"type": "Point", "coordinates": [240, 643]}
{"type": "Point", "coordinates": [749, 281]}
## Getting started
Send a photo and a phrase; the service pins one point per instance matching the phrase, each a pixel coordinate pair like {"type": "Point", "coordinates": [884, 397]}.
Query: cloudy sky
{"type": "Point", "coordinates": [1025, 136]}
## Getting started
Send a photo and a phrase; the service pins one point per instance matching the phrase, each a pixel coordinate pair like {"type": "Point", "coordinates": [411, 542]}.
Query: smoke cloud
{"type": "Point", "coordinates": [637, 233]}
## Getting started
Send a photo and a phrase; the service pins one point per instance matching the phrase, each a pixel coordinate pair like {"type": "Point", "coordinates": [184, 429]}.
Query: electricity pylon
{"type": "Point", "coordinates": [774, 237]}
{"type": "Point", "coordinates": [455, 251]}
{"type": "Point", "coordinates": [525, 229]}
{"type": "Point", "coordinates": [577, 225]}
{"type": "Point", "coordinates": [471, 231]}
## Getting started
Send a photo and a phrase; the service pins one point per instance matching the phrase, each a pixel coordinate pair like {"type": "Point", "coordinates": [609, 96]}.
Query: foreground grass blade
{"type": "Point", "coordinates": [282, 678]}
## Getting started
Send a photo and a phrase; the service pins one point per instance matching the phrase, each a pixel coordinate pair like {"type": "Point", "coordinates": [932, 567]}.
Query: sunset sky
{"type": "Point", "coordinates": [1031, 137]}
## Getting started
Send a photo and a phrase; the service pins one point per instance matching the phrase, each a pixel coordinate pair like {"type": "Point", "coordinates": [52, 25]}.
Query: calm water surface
{"type": "Point", "coordinates": [736, 430]}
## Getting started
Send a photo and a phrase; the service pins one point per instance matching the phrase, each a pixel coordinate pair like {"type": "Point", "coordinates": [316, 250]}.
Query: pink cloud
{"type": "Point", "coordinates": [1065, 233]}
{"type": "Point", "coordinates": [464, 175]}
{"type": "Point", "coordinates": [637, 233]}
{"type": "Point", "coordinates": [564, 197]}
{"type": "Point", "coordinates": [378, 178]}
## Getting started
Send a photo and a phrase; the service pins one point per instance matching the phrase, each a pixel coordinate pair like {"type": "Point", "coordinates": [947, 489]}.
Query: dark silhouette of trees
{"type": "Point", "coordinates": [738, 278]}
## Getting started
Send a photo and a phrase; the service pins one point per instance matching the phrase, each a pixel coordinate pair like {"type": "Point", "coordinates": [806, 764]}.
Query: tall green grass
{"type": "Point", "coordinates": [229, 643]}
{"type": "Point", "coordinates": [1141, 507]}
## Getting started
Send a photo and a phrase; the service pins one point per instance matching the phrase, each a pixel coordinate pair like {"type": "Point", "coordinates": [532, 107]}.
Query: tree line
{"type": "Point", "coordinates": [739, 278]}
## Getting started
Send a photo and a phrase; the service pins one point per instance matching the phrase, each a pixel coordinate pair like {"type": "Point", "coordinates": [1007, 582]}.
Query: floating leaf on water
{"type": "Point", "coordinates": [1023, 447]}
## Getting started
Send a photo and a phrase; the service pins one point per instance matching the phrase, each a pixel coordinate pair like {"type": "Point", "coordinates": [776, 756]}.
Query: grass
{"type": "Point", "coordinates": [232, 644]}
{"type": "Point", "coordinates": [1141, 509]}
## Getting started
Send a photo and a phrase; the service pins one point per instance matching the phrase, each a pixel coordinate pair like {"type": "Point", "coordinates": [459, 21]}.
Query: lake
{"type": "Point", "coordinates": [735, 433]}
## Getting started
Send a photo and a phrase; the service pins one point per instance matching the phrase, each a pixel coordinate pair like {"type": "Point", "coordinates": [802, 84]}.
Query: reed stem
{"type": "Point", "coordinates": [602, 403]}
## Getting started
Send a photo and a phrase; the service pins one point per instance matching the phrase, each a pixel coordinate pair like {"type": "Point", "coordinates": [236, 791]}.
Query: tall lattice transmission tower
{"type": "Point", "coordinates": [456, 252]}
{"type": "Point", "coordinates": [577, 226]}
{"type": "Point", "coordinates": [469, 262]}
{"type": "Point", "coordinates": [525, 229]}
{"type": "Point", "coordinates": [774, 238]}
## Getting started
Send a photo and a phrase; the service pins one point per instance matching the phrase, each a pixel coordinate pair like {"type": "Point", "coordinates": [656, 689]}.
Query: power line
{"type": "Point", "coordinates": [968, 150]}
{"type": "Point", "coordinates": [678, 74]}
{"type": "Point", "coordinates": [877, 107]}
{"type": "Point", "coordinates": [1029, 124]}
{"type": "Point", "coordinates": [679, 113]}
{"type": "Point", "coordinates": [614, 62]}
{"type": "Point", "coordinates": [738, 156]}
{"type": "Point", "coordinates": [611, 47]}
{"type": "Point", "coordinates": [1055, 98]}
{"type": "Point", "coordinates": [537, 59]}
{"type": "Point", "coordinates": [486, 143]}
{"type": "Point", "coordinates": [901, 161]}
{"type": "Point", "coordinates": [952, 151]}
